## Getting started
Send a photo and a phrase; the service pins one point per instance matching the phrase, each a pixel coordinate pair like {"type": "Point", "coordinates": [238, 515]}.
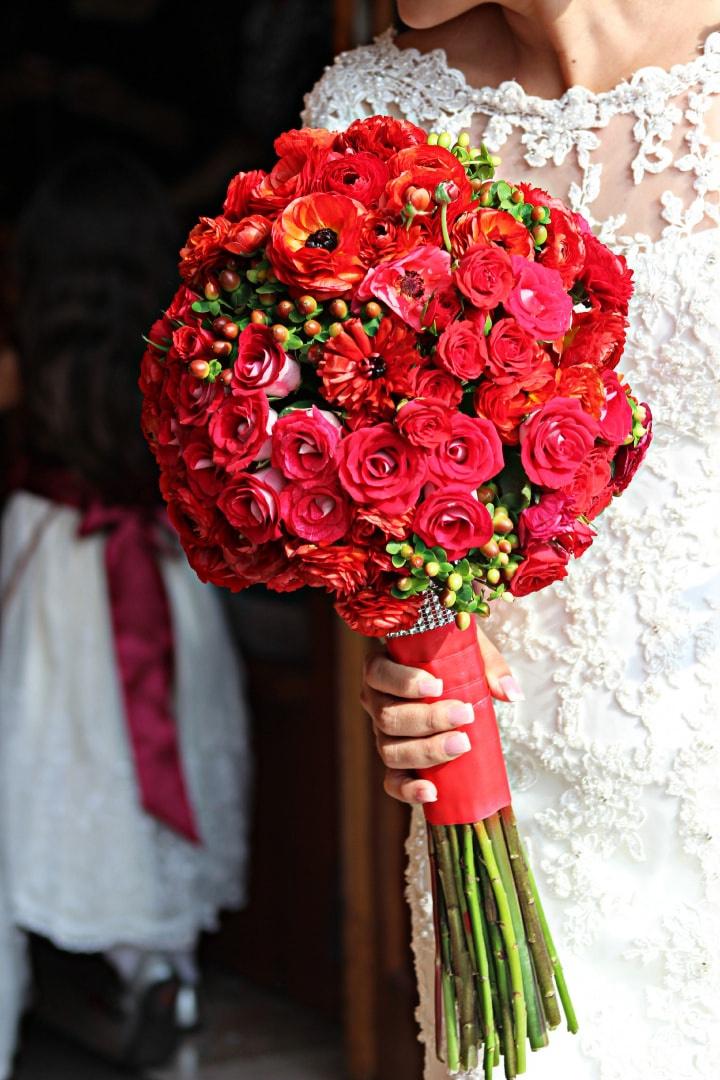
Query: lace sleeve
{"type": "Point", "coordinates": [380, 78]}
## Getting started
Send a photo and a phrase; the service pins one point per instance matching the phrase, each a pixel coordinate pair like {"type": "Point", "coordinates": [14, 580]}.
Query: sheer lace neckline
{"type": "Point", "coordinates": [510, 94]}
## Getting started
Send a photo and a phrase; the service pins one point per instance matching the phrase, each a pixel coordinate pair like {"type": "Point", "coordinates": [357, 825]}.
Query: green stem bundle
{"type": "Point", "coordinates": [500, 975]}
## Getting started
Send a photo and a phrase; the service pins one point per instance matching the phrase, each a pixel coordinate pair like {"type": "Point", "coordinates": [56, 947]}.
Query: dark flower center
{"type": "Point", "coordinates": [323, 238]}
{"type": "Point", "coordinates": [374, 367]}
{"type": "Point", "coordinates": [350, 178]}
{"type": "Point", "coordinates": [412, 285]}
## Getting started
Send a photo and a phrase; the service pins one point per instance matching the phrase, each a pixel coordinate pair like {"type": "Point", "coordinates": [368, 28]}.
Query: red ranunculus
{"type": "Point", "coordinates": [444, 306]}
{"type": "Point", "coordinates": [239, 193]}
{"type": "Point", "coordinates": [374, 612]}
{"type": "Point", "coordinates": [554, 518]}
{"type": "Point", "coordinates": [544, 563]}
{"type": "Point", "coordinates": [555, 440]}
{"type": "Point", "coordinates": [424, 422]}
{"type": "Point", "coordinates": [315, 244]}
{"type": "Point", "coordinates": [616, 419]}
{"type": "Point", "coordinates": [180, 311]}
{"type": "Point", "coordinates": [472, 455]}
{"type": "Point", "coordinates": [339, 568]}
{"type": "Point", "coordinates": [507, 405]}
{"type": "Point", "coordinates": [362, 176]}
{"type": "Point", "coordinates": [596, 337]}
{"type": "Point", "coordinates": [301, 154]}
{"type": "Point", "coordinates": [384, 237]}
{"type": "Point", "coordinates": [606, 277]}
{"type": "Point", "coordinates": [453, 519]}
{"type": "Point", "coordinates": [304, 443]}
{"type": "Point", "coordinates": [513, 353]}
{"type": "Point", "coordinates": [582, 381]}
{"type": "Point", "coordinates": [485, 275]}
{"type": "Point", "coordinates": [240, 430]}
{"type": "Point", "coordinates": [425, 167]}
{"type": "Point", "coordinates": [211, 240]}
{"type": "Point", "coordinates": [316, 510]}
{"type": "Point", "coordinates": [251, 504]}
{"type": "Point", "coordinates": [478, 225]}
{"type": "Point", "coordinates": [377, 467]}
{"type": "Point", "coordinates": [462, 350]}
{"type": "Point", "coordinates": [538, 300]}
{"type": "Point", "coordinates": [564, 249]}
{"type": "Point", "coordinates": [382, 136]}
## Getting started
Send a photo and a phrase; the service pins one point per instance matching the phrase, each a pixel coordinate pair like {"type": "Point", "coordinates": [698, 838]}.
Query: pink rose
{"type": "Point", "coordinates": [377, 467]}
{"type": "Point", "coordinates": [543, 563]}
{"type": "Point", "coordinates": [591, 488]}
{"type": "Point", "coordinates": [240, 430]}
{"type": "Point", "coordinates": [472, 455]}
{"type": "Point", "coordinates": [424, 422]}
{"type": "Point", "coordinates": [407, 284]}
{"type": "Point", "coordinates": [251, 504]}
{"type": "Point", "coordinates": [452, 518]}
{"type": "Point", "coordinates": [554, 518]}
{"type": "Point", "coordinates": [616, 419]}
{"type": "Point", "coordinates": [462, 350]}
{"type": "Point", "coordinates": [513, 353]}
{"type": "Point", "coordinates": [263, 364]}
{"type": "Point", "coordinates": [485, 275]}
{"type": "Point", "coordinates": [316, 511]}
{"type": "Point", "coordinates": [555, 440]}
{"type": "Point", "coordinates": [538, 300]}
{"type": "Point", "coordinates": [304, 443]}
{"type": "Point", "coordinates": [432, 382]}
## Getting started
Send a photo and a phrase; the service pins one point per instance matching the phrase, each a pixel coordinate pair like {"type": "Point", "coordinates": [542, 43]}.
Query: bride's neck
{"type": "Point", "coordinates": [549, 45]}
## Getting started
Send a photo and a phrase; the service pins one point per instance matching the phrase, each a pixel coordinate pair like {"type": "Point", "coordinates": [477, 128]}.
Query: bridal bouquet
{"type": "Point", "coordinates": [392, 376]}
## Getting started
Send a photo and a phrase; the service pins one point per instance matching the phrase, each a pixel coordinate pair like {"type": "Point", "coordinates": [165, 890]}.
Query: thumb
{"type": "Point", "coordinates": [500, 679]}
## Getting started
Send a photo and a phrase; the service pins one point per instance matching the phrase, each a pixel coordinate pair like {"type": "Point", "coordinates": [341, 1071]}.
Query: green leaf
{"type": "Point", "coordinates": [393, 547]}
{"type": "Point", "coordinates": [446, 568]}
{"type": "Point", "coordinates": [398, 561]}
{"type": "Point", "coordinates": [463, 567]}
{"type": "Point", "coordinates": [214, 307]}
{"type": "Point", "coordinates": [201, 305]}
{"type": "Point", "coordinates": [294, 342]}
{"type": "Point", "coordinates": [371, 326]}
{"type": "Point", "coordinates": [265, 290]}
{"type": "Point", "coordinates": [440, 554]}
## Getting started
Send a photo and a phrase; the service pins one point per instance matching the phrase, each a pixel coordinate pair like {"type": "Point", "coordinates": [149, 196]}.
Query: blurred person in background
{"type": "Point", "coordinates": [124, 759]}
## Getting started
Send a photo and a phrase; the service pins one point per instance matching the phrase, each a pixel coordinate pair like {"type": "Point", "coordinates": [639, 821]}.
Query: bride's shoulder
{"type": "Point", "coordinates": [393, 76]}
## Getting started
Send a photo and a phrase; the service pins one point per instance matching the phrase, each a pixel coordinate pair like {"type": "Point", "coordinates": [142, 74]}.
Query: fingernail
{"type": "Point", "coordinates": [431, 687]}
{"type": "Point", "coordinates": [513, 690]}
{"type": "Point", "coordinates": [462, 714]}
{"type": "Point", "coordinates": [457, 743]}
{"type": "Point", "coordinates": [426, 794]}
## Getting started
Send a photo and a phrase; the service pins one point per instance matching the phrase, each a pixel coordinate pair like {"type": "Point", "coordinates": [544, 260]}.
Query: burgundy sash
{"type": "Point", "coordinates": [142, 633]}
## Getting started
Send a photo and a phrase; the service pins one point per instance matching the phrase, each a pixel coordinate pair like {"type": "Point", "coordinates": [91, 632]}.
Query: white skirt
{"type": "Point", "coordinates": [82, 863]}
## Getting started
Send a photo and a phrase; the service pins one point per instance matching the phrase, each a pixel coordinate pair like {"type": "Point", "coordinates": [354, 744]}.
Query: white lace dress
{"type": "Point", "coordinates": [615, 754]}
{"type": "Point", "coordinates": [80, 861]}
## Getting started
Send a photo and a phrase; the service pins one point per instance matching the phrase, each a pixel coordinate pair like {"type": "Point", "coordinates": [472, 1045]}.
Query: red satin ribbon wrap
{"type": "Point", "coordinates": [474, 786]}
{"type": "Point", "coordinates": [143, 638]}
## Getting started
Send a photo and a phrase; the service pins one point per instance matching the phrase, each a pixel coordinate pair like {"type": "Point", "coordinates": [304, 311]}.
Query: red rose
{"type": "Point", "coordinates": [555, 440]}
{"type": "Point", "coordinates": [454, 520]}
{"type": "Point", "coordinates": [260, 359]}
{"type": "Point", "coordinates": [444, 306]}
{"type": "Point", "coordinates": [212, 238]}
{"type": "Point", "coordinates": [239, 192]}
{"type": "Point", "coordinates": [195, 400]}
{"type": "Point", "coordinates": [382, 136]}
{"type": "Point", "coordinates": [203, 477]}
{"type": "Point", "coordinates": [431, 382]}
{"type": "Point", "coordinates": [192, 342]}
{"type": "Point", "coordinates": [240, 430]}
{"type": "Point", "coordinates": [251, 504]}
{"type": "Point", "coordinates": [257, 565]}
{"type": "Point", "coordinates": [591, 488]}
{"type": "Point", "coordinates": [607, 277]}
{"type": "Point", "coordinates": [424, 422]}
{"type": "Point", "coordinates": [485, 275]}
{"type": "Point", "coordinates": [339, 568]}
{"type": "Point", "coordinates": [616, 418]}
{"type": "Point", "coordinates": [543, 563]}
{"type": "Point", "coordinates": [425, 167]}
{"type": "Point", "coordinates": [462, 350]}
{"type": "Point", "coordinates": [211, 566]}
{"type": "Point", "coordinates": [304, 443]}
{"type": "Point", "coordinates": [564, 249]}
{"type": "Point", "coordinates": [316, 511]}
{"type": "Point", "coordinates": [472, 455]}
{"type": "Point", "coordinates": [596, 338]}
{"type": "Point", "coordinates": [629, 457]}
{"type": "Point", "coordinates": [180, 311]}
{"type": "Point", "coordinates": [315, 244]}
{"type": "Point", "coordinates": [361, 176]}
{"type": "Point", "coordinates": [194, 520]}
{"type": "Point", "coordinates": [507, 405]}
{"type": "Point", "coordinates": [554, 518]}
{"type": "Point", "coordinates": [378, 467]}
{"type": "Point", "coordinates": [374, 612]}
{"type": "Point", "coordinates": [478, 225]}
{"type": "Point", "coordinates": [513, 353]}
{"type": "Point", "coordinates": [538, 300]}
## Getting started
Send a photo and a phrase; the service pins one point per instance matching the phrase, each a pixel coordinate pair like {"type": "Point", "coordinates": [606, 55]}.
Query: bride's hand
{"type": "Point", "coordinates": [411, 734]}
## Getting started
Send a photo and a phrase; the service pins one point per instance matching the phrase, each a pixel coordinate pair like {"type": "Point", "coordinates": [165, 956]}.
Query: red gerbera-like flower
{"type": "Point", "coordinates": [360, 373]}
{"type": "Point", "coordinates": [315, 244]}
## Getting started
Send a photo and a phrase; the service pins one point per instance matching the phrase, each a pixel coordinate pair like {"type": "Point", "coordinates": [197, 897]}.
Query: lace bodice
{"type": "Point", "coordinates": [615, 755]}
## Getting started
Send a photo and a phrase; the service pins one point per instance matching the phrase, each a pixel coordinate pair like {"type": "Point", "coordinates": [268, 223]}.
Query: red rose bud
{"type": "Point", "coordinates": [230, 280]}
{"type": "Point", "coordinates": [200, 369]}
{"type": "Point", "coordinates": [306, 305]}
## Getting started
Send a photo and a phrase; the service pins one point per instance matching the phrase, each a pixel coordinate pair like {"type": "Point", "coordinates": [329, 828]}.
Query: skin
{"type": "Point", "coordinates": [547, 45]}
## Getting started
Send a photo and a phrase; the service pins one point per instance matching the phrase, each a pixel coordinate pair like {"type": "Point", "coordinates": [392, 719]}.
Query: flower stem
{"type": "Point", "coordinates": [511, 945]}
{"type": "Point", "coordinates": [448, 995]}
{"type": "Point", "coordinates": [567, 1004]}
{"type": "Point", "coordinates": [444, 226]}
{"type": "Point", "coordinates": [483, 966]}
{"type": "Point", "coordinates": [535, 938]}
{"type": "Point", "coordinates": [499, 966]}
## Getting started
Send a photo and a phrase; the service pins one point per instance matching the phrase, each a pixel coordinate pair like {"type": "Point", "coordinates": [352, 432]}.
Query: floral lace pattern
{"type": "Point", "coordinates": [614, 755]}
